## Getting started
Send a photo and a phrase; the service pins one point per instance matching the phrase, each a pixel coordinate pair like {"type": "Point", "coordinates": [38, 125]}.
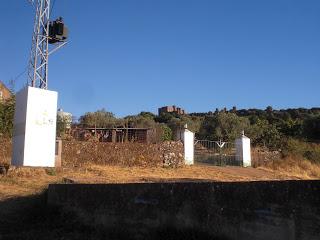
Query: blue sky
{"type": "Point", "coordinates": [137, 55]}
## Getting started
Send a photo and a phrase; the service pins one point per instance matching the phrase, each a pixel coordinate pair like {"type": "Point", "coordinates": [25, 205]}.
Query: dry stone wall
{"type": "Point", "coordinates": [79, 153]}
{"type": "Point", "coordinates": [262, 156]}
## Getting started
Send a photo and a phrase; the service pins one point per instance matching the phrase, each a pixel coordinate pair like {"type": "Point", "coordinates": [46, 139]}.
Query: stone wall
{"type": "Point", "coordinates": [78, 153]}
{"type": "Point", "coordinates": [263, 156]}
{"type": "Point", "coordinates": [208, 210]}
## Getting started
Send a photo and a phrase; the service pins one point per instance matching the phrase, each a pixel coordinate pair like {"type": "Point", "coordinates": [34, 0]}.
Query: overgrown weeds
{"type": "Point", "coordinates": [301, 149]}
{"type": "Point", "coordinates": [296, 166]}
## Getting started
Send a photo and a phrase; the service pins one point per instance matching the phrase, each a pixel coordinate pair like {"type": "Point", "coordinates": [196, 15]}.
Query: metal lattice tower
{"type": "Point", "coordinates": [38, 65]}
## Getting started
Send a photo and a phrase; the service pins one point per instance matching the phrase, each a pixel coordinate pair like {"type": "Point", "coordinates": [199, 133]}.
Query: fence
{"type": "Point", "coordinates": [215, 153]}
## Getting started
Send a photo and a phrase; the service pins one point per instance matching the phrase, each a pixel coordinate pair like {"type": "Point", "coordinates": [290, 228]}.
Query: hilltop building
{"type": "Point", "coordinates": [4, 92]}
{"type": "Point", "coordinates": [171, 109]}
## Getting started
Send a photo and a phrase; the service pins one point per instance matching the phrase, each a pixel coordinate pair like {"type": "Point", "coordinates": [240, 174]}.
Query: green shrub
{"type": "Point", "coordinates": [6, 117]}
{"type": "Point", "coordinates": [298, 148]}
{"type": "Point", "coordinates": [51, 171]}
{"type": "Point", "coordinates": [166, 133]}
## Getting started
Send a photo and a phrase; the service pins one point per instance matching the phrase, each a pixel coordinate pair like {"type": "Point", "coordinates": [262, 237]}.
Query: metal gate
{"type": "Point", "coordinates": [216, 153]}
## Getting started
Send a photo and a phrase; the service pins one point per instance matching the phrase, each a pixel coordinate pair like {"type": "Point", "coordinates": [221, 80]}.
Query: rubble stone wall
{"type": "Point", "coordinates": [79, 153]}
{"type": "Point", "coordinates": [262, 156]}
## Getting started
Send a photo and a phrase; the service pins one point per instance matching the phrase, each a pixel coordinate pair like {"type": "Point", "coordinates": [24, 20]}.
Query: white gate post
{"type": "Point", "coordinates": [187, 137]}
{"type": "Point", "coordinates": [243, 150]}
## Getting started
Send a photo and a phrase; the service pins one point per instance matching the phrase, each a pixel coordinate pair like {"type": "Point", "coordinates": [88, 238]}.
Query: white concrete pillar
{"type": "Point", "coordinates": [187, 137]}
{"type": "Point", "coordinates": [243, 151]}
{"type": "Point", "coordinates": [34, 137]}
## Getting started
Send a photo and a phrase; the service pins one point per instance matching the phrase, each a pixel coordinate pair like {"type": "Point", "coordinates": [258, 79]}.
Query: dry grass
{"type": "Point", "coordinates": [5, 150]}
{"type": "Point", "coordinates": [116, 174]}
{"type": "Point", "coordinates": [26, 181]}
{"type": "Point", "coordinates": [295, 166]}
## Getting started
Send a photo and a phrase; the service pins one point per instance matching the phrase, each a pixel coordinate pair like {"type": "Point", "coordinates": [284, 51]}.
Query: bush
{"type": "Point", "coordinates": [6, 117]}
{"type": "Point", "coordinates": [311, 128]}
{"type": "Point", "coordinates": [166, 133]}
{"type": "Point", "coordinates": [309, 151]}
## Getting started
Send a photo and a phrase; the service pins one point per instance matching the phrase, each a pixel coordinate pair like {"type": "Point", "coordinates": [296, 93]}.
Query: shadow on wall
{"type": "Point", "coordinates": [29, 218]}
{"type": "Point", "coordinates": [236, 210]}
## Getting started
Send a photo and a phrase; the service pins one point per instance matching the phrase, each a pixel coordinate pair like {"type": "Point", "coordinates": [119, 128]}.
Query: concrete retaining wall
{"type": "Point", "coordinates": [242, 210]}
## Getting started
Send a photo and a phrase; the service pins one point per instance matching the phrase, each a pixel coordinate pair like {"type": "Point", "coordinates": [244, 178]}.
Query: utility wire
{"type": "Point", "coordinates": [52, 6]}
{"type": "Point", "coordinates": [20, 74]}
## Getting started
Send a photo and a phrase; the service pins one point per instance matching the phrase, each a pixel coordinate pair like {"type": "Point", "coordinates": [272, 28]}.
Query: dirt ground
{"type": "Point", "coordinates": [26, 181]}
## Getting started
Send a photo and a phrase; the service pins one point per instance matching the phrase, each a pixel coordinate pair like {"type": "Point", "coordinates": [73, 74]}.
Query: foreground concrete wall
{"type": "Point", "coordinates": [248, 210]}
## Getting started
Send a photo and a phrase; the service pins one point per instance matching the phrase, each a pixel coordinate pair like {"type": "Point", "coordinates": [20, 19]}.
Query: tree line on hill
{"type": "Point", "coordinates": [292, 131]}
{"type": "Point", "coordinates": [267, 127]}
{"type": "Point", "coordinates": [273, 129]}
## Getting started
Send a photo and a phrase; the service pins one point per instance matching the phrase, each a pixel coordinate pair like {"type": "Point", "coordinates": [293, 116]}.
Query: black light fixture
{"type": "Point", "coordinates": [58, 32]}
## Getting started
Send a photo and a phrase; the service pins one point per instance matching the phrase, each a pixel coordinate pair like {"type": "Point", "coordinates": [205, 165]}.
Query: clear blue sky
{"type": "Point", "coordinates": [134, 55]}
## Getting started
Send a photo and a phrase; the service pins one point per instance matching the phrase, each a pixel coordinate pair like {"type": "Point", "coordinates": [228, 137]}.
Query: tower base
{"type": "Point", "coordinates": [35, 128]}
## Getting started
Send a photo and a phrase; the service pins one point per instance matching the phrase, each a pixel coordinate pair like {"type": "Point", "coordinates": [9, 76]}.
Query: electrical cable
{"type": "Point", "coordinates": [20, 74]}
{"type": "Point", "coordinates": [52, 6]}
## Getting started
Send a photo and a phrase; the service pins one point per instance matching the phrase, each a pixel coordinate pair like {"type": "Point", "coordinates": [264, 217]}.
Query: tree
{"type": "Point", "coordinates": [148, 115]}
{"type": "Point", "coordinates": [175, 123]}
{"type": "Point", "coordinates": [63, 123]}
{"type": "Point", "coordinates": [264, 134]}
{"type": "Point", "coordinates": [311, 128]}
{"type": "Point", "coordinates": [225, 126]}
{"type": "Point", "coordinates": [100, 118]}
{"type": "Point", "coordinates": [140, 121]}
{"type": "Point", "coordinates": [6, 117]}
{"type": "Point", "coordinates": [292, 127]}
{"type": "Point", "coordinates": [166, 133]}
{"type": "Point", "coordinates": [269, 109]}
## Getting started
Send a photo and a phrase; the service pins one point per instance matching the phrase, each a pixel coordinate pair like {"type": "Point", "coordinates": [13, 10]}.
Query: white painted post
{"type": "Point", "coordinates": [187, 137]}
{"type": "Point", "coordinates": [243, 151]}
{"type": "Point", "coordinates": [34, 137]}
